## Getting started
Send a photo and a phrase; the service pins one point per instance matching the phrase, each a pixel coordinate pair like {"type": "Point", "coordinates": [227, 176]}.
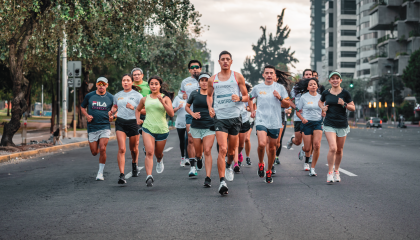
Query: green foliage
{"type": "Point", "coordinates": [358, 92]}
{"type": "Point", "coordinates": [411, 73]}
{"type": "Point", "coordinates": [406, 109]}
{"type": "Point", "coordinates": [269, 50]}
{"type": "Point", "coordinates": [385, 89]}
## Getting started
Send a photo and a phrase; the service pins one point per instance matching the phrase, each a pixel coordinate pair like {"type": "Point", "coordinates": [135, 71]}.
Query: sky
{"type": "Point", "coordinates": [235, 26]}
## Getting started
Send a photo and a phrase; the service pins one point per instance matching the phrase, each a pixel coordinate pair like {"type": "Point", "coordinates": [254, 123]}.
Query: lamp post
{"type": "Point", "coordinates": [392, 80]}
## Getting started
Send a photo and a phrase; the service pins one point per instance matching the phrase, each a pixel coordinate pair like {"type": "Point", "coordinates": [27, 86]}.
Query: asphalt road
{"type": "Point", "coordinates": [57, 197]}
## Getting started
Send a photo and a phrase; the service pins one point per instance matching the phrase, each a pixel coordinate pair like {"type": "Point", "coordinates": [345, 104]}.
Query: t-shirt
{"type": "Point", "coordinates": [145, 89]}
{"type": "Point", "coordinates": [297, 98]}
{"type": "Point", "coordinates": [188, 85]}
{"type": "Point", "coordinates": [200, 105]}
{"type": "Point", "coordinates": [245, 114]}
{"type": "Point", "coordinates": [180, 114]}
{"type": "Point", "coordinates": [309, 106]}
{"type": "Point", "coordinates": [268, 112]}
{"type": "Point", "coordinates": [336, 115]}
{"type": "Point", "coordinates": [122, 98]}
{"type": "Point", "coordinates": [98, 107]}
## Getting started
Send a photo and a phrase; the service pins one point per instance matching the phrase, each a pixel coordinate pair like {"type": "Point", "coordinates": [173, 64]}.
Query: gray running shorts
{"type": "Point", "coordinates": [95, 136]}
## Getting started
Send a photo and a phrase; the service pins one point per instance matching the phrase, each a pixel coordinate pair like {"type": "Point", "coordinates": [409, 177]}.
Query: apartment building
{"type": "Point", "coordinates": [317, 35]}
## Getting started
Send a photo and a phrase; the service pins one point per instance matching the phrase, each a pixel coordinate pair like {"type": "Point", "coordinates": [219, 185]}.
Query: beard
{"type": "Point", "coordinates": [196, 75]}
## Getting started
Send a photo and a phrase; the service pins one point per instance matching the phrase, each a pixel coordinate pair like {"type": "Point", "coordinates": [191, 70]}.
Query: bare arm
{"type": "Point", "coordinates": [285, 103]}
{"type": "Point", "coordinates": [351, 107]}
{"type": "Point", "coordinates": [242, 87]}
{"type": "Point", "coordinates": [167, 104]}
{"type": "Point", "coordinates": [139, 109]}
{"type": "Point", "coordinates": [84, 112]}
{"type": "Point", "coordinates": [304, 121]}
{"type": "Point", "coordinates": [210, 90]}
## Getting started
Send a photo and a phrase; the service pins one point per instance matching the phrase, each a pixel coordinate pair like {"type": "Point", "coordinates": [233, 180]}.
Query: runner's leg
{"type": "Point", "coordinates": [262, 142]}
{"type": "Point", "coordinates": [159, 147]}
{"type": "Point", "coordinates": [339, 154]}
{"type": "Point", "coordinates": [222, 141]}
{"type": "Point", "coordinates": [208, 144]}
{"type": "Point", "coordinates": [316, 142]}
{"type": "Point", "coordinates": [271, 152]}
{"type": "Point", "coordinates": [181, 137]}
{"type": "Point", "coordinates": [149, 144]}
{"type": "Point", "coordinates": [233, 148]}
{"type": "Point", "coordinates": [248, 143]}
{"type": "Point", "coordinates": [297, 140]}
{"type": "Point", "coordinates": [94, 147]}
{"type": "Point", "coordinates": [190, 148]}
{"type": "Point", "coordinates": [121, 136]}
{"type": "Point", "coordinates": [332, 143]}
{"type": "Point", "coordinates": [103, 142]}
{"type": "Point", "coordinates": [134, 148]}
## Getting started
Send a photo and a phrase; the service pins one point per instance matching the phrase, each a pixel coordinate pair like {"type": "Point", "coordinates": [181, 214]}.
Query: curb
{"type": "Point", "coordinates": [53, 149]}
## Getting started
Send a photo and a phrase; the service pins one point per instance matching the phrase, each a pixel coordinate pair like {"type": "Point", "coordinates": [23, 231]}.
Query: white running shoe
{"type": "Point", "coordinates": [290, 142]}
{"type": "Point", "coordinates": [100, 177]}
{"type": "Point", "coordinates": [301, 154]}
{"type": "Point", "coordinates": [223, 189]}
{"type": "Point", "coordinates": [337, 176]}
{"type": "Point", "coordinates": [193, 172]}
{"type": "Point", "coordinates": [312, 172]}
{"type": "Point", "coordinates": [160, 166]}
{"type": "Point", "coordinates": [306, 167]}
{"type": "Point", "coordinates": [330, 177]}
{"type": "Point", "coordinates": [182, 163]}
{"type": "Point", "coordinates": [187, 162]}
{"type": "Point", "coordinates": [229, 174]}
{"type": "Point", "coordinates": [310, 159]}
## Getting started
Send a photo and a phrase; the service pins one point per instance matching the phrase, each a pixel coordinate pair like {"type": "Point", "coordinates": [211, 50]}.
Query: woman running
{"type": "Point", "coordinates": [157, 105]}
{"type": "Point", "coordinates": [244, 133]}
{"type": "Point", "coordinates": [334, 102]}
{"type": "Point", "coordinates": [202, 128]}
{"type": "Point", "coordinates": [310, 114]}
{"type": "Point", "coordinates": [125, 102]}
{"type": "Point", "coordinates": [179, 107]}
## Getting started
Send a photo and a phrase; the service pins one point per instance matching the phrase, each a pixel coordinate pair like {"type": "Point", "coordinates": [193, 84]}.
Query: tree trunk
{"type": "Point", "coordinates": [8, 107]}
{"type": "Point", "coordinates": [81, 93]}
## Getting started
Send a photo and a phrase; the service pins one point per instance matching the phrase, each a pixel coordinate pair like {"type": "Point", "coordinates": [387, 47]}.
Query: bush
{"type": "Point", "coordinates": [384, 119]}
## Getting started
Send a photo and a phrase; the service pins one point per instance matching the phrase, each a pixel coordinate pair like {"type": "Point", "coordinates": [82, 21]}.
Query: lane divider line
{"type": "Point", "coordinates": [346, 172]}
{"type": "Point", "coordinates": [130, 174]}
{"type": "Point", "coordinates": [168, 149]}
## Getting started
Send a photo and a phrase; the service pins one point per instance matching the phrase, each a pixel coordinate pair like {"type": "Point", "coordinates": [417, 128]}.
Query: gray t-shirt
{"type": "Point", "coordinates": [297, 98]}
{"type": "Point", "coordinates": [309, 106]}
{"type": "Point", "coordinates": [188, 85]}
{"type": "Point", "coordinates": [180, 114]}
{"type": "Point", "coordinates": [268, 106]}
{"type": "Point", "coordinates": [224, 107]}
{"type": "Point", "coordinates": [122, 98]}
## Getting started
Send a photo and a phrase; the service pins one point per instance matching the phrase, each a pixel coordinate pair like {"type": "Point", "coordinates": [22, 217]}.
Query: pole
{"type": "Point", "coordinates": [42, 100]}
{"type": "Point", "coordinates": [74, 103]}
{"type": "Point", "coordinates": [392, 80]}
{"type": "Point", "coordinates": [58, 84]}
{"type": "Point", "coordinates": [64, 103]}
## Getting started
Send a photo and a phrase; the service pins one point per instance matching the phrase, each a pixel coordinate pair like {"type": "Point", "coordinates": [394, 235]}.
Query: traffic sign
{"type": "Point", "coordinates": [74, 69]}
{"type": "Point", "coordinates": [77, 80]}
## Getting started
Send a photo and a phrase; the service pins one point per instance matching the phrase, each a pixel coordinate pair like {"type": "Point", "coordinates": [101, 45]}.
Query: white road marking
{"type": "Point", "coordinates": [346, 172]}
{"type": "Point", "coordinates": [285, 146]}
{"type": "Point", "coordinates": [168, 149]}
{"type": "Point", "coordinates": [130, 174]}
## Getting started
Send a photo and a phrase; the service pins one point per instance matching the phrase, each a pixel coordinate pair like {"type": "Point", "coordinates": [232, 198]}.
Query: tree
{"type": "Point", "coordinates": [94, 28]}
{"type": "Point", "coordinates": [411, 73]}
{"type": "Point", "coordinates": [269, 50]}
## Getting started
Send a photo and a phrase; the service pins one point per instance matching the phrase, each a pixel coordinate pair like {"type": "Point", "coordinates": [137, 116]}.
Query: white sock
{"type": "Point", "coordinates": [101, 167]}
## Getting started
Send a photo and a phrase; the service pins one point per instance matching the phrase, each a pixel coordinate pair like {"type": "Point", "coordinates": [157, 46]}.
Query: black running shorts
{"type": "Point", "coordinates": [231, 126]}
{"type": "Point", "coordinates": [128, 126]}
{"type": "Point", "coordinates": [245, 127]}
{"type": "Point", "coordinates": [297, 126]}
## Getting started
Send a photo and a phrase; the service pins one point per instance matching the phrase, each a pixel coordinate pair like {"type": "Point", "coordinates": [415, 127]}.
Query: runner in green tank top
{"type": "Point", "coordinates": [155, 126]}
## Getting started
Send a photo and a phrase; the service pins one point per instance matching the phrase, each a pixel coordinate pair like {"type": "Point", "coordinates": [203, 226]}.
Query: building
{"type": "Point", "coordinates": [317, 35]}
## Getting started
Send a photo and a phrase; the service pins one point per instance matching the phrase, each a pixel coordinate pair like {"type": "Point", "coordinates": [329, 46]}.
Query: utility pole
{"type": "Point", "coordinates": [58, 84]}
{"type": "Point", "coordinates": [42, 99]}
{"type": "Point", "coordinates": [392, 80]}
{"type": "Point", "coordinates": [64, 103]}
{"type": "Point", "coordinates": [74, 103]}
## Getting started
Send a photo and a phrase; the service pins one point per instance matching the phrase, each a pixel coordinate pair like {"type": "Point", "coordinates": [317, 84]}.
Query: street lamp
{"type": "Point", "coordinates": [392, 80]}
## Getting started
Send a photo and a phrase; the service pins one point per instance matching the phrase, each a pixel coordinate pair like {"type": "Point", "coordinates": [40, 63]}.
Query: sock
{"type": "Point", "coordinates": [121, 174]}
{"type": "Point", "coordinates": [307, 159]}
{"type": "Point", "coordinates": [198, 159]}
{"type": "Point", "coordinates": [222, 179]}
{"type": "Point", "coordinates": [247, 156]}
{"type": "Point", "coordinates": [101, 167]}
{"type": "Point", "coordinates": [192, 162]}
{"type": "Point", "coordinates": [228, 165]}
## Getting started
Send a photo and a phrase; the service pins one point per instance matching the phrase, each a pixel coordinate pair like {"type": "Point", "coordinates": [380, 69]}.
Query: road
{"type": "Point", "coordinates": [56, 196]}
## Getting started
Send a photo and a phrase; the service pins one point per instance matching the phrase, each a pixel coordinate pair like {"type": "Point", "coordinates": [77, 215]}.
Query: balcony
{"type": "Point", "coordinates": [402, 63]}
{"type": "Point", "coordinates": [412, 12]}
{"type": "Point", "coordinates": [382, 17]}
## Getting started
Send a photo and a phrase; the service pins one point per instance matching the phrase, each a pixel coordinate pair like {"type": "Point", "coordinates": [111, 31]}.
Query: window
{"type": "Point", "coordinates": [363, 72]}
{"type": "Point", "coordinates": [363, 2]}
{"type": "Point", "coordinates": [348, 64]}
{"type": "Point", "coordinates": [348, 32]}
{"type": "Point", "coordinates": [330, 20]}
{"type": "Point", "coordinates": [347, 75]}
{"type": "Point", "coordinates": [369, 36]}
{"type": "Point", "coordinates": [348, 7]}
{"type": "Point", "coordinates": [330, 59]}
{"type": "Point", "coordinates": [358, 62]}
{"type": "Point", "coordinates": [348, 22]}
{"type": "Point", "coordinates": [348, 43]}
{"type": "Point", "coordinates": [364, 13]}
{"type": "Point", "coordinates": [364, 25]}
{"type": "Point", "coordinates": [331, 4]}
{"type": "Point", "coordinates": [348, 54]}
{"type": "Point", "coordinates": [331, 39]}
{"type": "Point", "coordinates": [367, 48]}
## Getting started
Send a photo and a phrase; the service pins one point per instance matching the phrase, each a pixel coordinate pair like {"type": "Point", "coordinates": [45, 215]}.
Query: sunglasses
{"type": "Point", "coordinates": [195, 67]}
{"type": "Point", "coordinates": [101, 84]}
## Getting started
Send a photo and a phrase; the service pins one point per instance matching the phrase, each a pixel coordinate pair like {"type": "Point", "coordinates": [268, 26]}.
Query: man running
{"type": "Point", "coordinates": [226, 87]}
{"type": "Point", "coordinates": [297, 137]}
{"type": "Point", "coordinates": [98, 103]}
{"type": "Point", "coordinates": [189, 85]}
{"type": "Point", "coordinates": [270, 97]}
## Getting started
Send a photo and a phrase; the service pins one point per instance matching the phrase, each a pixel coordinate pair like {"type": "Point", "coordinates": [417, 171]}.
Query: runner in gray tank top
{"type": "Point", "coordinates": [226, 86]}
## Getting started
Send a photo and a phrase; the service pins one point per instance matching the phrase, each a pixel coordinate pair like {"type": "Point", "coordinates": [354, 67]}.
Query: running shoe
{"type": "Point", "coordinates": [277, 160]}
{"type": "Point", "coordinates": [229, 174]}
{"type": "Point", "coordinates": [248, 160]}
{"type": "Point", "coordinates": [207, 182]}
{"type": "Point", "coordinates": [187, 162]}
{"type": "Point", "coordinates": [301, 154]}
{"type": "Point", "coordinates": [312, 172]}
{"type": "Point", "coordinates": [100, 177]}
{"type": "Point", "coordinates": [135, 172]}
{"type": "Point", "coordinates": [160, 166]}
{"type": "Point", "coordinates": [337, 176]}
{"type": "Point", "coordinates": [149, 181]}
{"type": "Point", "coordinates": [310, 159]}
{"type": "Point", "coordinates": [273, 170]}
{"type": "Point", "coordinates": [306, 167]}
{"type": "Point", "coordinates": [236, 168]}
{"type": "Point", "coordinates": [330, 177]}
{"type": "Point", "coordinates": [122, 180]}
{"type": "Point", "coordinates": [193, 172]}
{"type": "Point", "coordinates": [223, 189]}
{"type": "Point", "coordinates": [268, 178]}
{"type": "Point", "coordinates": [261, 170]}
{"type": "Point", "coordinates": [182, 163]}
{"type": "Point", "coordinates": [199, 164]}
{"type": "Point", "coordinates": [290, 142]}
{"type": "Point", "coordinates": [240, 159]}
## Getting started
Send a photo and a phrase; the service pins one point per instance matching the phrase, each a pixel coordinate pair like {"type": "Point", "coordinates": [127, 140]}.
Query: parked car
{"type": "Point", "coordinates": [374, 122]}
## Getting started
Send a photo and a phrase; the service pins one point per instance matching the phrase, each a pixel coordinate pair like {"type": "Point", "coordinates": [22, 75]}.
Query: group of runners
{"type": "Point", "coordinates": [223, 106]}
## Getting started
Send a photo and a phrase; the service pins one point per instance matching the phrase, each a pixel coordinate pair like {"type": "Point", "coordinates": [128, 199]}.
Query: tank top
{"type": "Point", "coordinates": [224, 107]}
{"type": "Point", "coordinates": [155, 116]}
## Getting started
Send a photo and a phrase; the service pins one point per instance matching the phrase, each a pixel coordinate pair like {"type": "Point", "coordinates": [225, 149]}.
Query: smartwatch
{"type": "Point", "coordinates": [240, 99]}
{"type": "Point", "coordinates": [345, 105]}
{"type": "Point", "coordinates": [281, 99]}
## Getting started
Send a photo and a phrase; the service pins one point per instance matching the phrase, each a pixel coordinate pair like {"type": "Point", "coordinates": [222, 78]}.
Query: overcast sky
{"type": "Point", "coordinates": [235, 26]}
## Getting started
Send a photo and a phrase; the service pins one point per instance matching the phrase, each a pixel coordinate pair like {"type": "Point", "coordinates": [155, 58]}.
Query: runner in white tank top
{"type": "Point", "coordinates": [226, 86]}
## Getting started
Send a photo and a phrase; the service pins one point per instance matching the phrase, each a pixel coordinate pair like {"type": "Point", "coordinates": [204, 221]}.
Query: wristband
{"type": "Point", "coordinates": [240, 99]}
{"type": "Point", "coordinates": [281, 99]}
{"type": "Point", "coordinates": [345, 105]}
